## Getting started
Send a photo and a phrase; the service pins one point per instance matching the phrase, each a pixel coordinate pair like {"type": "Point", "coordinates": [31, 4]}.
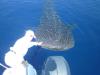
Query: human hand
{"type": "Point", "coordinates": [39, 43]}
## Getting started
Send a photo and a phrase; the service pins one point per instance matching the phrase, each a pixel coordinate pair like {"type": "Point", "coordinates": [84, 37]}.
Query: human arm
{"type": "Point", "coordinates": [34, 44]}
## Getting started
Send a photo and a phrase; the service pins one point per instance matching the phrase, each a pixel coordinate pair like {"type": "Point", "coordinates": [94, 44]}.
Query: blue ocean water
{"type": "Point", "coordinates": [16, 16]}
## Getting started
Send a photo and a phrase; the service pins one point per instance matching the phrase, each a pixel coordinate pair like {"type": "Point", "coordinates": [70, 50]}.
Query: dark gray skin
{"type": "Point", "coordinates": [54, 34]}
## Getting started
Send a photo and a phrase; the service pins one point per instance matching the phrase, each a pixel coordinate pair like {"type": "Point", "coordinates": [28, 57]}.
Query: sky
{"type": "Point", "coordinates": [16, 16]}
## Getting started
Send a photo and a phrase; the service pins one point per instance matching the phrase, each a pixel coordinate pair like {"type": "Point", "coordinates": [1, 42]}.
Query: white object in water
{"type": "Point", "coordinates": [22, 45]}
{"type": "Point", "coordinates": [20, 70]}
{"type": "Point", "coordinates": [15, 56]}
{"type": "Point", "coordinates": [56, 65]}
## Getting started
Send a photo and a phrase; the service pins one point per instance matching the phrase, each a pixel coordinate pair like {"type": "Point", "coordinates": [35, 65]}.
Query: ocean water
{"type": "Point", "coordinates": [16, 16]}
